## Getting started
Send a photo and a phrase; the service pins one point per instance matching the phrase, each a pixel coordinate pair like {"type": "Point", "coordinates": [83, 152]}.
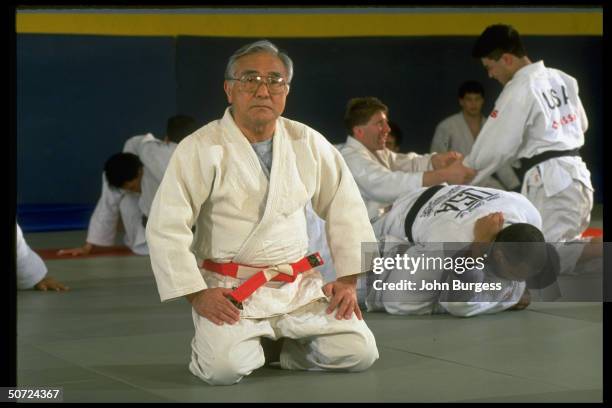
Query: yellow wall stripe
{"type": "Point", "coordinates": [308, 25]}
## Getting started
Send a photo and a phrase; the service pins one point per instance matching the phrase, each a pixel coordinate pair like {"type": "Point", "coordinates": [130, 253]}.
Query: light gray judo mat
{"type": "Point", "coordinates": [109, 339]}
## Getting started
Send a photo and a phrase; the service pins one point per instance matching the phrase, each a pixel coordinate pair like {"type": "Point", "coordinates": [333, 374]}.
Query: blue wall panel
{"type": "Point", "coordinates": [78, 99]}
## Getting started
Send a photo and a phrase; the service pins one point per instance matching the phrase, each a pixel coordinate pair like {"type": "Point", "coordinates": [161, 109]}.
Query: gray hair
{"type": "Point", "coordinates": [259, 46]}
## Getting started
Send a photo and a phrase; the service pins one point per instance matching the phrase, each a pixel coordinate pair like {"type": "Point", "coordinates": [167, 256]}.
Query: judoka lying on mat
{"type": "Point", "coordinates": [448, 225]}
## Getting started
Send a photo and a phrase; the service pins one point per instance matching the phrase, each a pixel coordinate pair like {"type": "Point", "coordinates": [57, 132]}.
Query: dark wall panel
{"type": "Point", "coordinates": [78, 99]}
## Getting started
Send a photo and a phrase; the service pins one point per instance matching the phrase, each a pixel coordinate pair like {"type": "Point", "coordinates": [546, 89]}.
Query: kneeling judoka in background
{"type": "Point", "coordinates": [129, 183]}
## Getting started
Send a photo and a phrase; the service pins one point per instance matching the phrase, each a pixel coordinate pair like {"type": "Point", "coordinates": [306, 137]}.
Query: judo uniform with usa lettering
{"type": "Point", "coordinates": [539, 110]}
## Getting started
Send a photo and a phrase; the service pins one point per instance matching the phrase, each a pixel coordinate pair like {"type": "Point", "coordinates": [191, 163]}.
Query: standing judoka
{"type": "Point", "coordinates": [129, 182]}
{"type": "Point", "coordinates": [244, 181]}
{"type": "Point", "coordinates": [539, 119]}
{"type": "Point", "coordinates": [31, 270]}
{"type": "Point", "coordinates": [383, 175]}
{"type": "Point", "coordinates": [433, 217]}
{"type": "Point", "coordinates": [459, 131]}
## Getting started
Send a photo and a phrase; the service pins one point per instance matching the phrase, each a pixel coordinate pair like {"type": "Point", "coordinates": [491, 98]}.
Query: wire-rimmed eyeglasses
{"type": "Point", "coordinates": [251, 83]}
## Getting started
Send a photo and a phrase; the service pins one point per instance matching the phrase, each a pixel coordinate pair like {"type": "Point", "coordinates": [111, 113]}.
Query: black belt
{"type": "Point", "coordinates": [527, 164]}
{"type": "Point", "coordinates": [414, 210]}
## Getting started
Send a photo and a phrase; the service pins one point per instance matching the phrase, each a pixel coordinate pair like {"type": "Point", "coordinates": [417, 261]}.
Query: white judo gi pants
{"type": "Point", "coordinates": [565, 216]}
{"type": "Point", "coordinates": [314, 340]}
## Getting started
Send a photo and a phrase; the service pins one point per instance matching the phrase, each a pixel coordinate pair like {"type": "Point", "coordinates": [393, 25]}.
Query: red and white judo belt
{"type": "Point", "coordinates": [258, 276]}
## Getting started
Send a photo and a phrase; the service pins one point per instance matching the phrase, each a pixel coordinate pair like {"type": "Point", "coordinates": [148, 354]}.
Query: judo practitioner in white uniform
{"type": "Point", "coordinates": [459, 131]}
{"type": "Point", "coordinates": [31, 270]}
{"type": "Point", "coordinates": [129, 182]}
{"type": "Point", "coordinates": [539, 119]}
{"type": "Point", "coordinates": [382, 175]}
{"type": "Point", "coordinates": [487, 223]}
{"type": "Point", "coordinates": [244, 269]}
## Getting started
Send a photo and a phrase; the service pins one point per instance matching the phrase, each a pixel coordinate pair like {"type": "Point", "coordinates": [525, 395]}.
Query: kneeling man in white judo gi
{"type": "Point", "coordinates": [129, 183]}
{"type": "Point", "coordinates": [498, 230]}
{"type": "Point", "coordinates": [244, 181]}
{"type": "Point", "coordinates": [539, 120]}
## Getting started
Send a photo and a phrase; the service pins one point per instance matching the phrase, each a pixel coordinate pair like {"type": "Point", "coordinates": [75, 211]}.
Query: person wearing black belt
{"type": "Point", "coordinates": [483, 219]}
{"type": "Point", "coordinates": [538, 121]}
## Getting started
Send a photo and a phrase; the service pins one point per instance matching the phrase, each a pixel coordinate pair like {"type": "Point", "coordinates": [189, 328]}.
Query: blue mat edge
{"type": "Point", "coordinates": [54, 217]}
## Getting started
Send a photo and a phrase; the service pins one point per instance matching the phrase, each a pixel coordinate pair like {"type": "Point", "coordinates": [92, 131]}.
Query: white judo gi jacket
{"type": "Point", "coordinates": [113, 203]}
{"type": "Point", "coordinates": [215, 181]}
{"type": "Point", "coordinates": [155, 155]}
{"type": "Point", "coordinates": [30, 268]}
{"type": "Point", "coordinates": [453, 133]}
{"type": "Point", "coordinates": [449, 216]}
{"type": "Point", "coordinates": [538, 110]}
{"type": "Point", "coordinates": [384, 176]}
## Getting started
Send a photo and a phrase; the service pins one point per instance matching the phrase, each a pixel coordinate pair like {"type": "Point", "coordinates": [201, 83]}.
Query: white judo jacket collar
{"type": "Point", "coordinates": [381, 155]}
